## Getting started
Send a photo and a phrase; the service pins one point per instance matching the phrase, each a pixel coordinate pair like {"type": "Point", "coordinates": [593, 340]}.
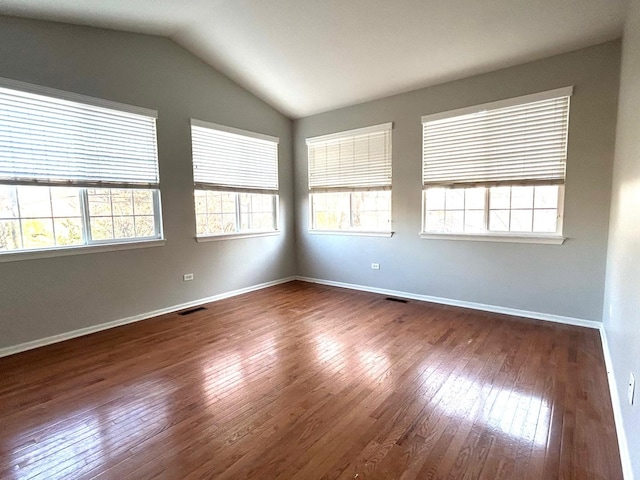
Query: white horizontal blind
{"type": "Point", "coordinates": [228, 158]}
{"type": "Point", "coordinates": [48, 140]}
{"type": "Point", "coordinates": [351, 160]}
{"type": "Point", "coordinates": [524, 142]}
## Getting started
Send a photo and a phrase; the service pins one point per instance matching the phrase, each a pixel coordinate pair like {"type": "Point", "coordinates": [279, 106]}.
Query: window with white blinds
{"type": "Point", "coordinates": [57, 138]}
{"type": "Point", "coordinates": [350, 181]}
{"type": "Point", "coordinates": [513, 142]}
{"type": "Point", "coordinates": [226, 158]}
{"type": "Point", "coordinates": [75, 171]}
{"type": "Point", "coordinates": [497, 169]}
{"type": "Point", "coordinates": [235, 175]}
{"type": "Point", "coordinates": [351, 160]}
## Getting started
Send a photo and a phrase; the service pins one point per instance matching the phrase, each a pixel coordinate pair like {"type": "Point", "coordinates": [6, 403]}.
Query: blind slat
{"type": "Point", "coordinates": [513, 144]}
{"type": "Point", "coordinates": [357, 160]}
{"type": "Point", "coordinates": [232, 160]}
{"type": "Point", "coordinates": [52, 140]}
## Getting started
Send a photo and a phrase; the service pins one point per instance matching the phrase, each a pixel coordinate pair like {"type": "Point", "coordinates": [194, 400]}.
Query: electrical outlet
{"type": "Point", "coordinates": [375, 266]}
{"type": "Point", "coordinates": [632, 388]}
{"type": "Point", "coordinates": [187, 277]}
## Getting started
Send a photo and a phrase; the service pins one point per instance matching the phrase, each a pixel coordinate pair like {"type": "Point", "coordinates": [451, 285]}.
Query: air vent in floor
{"type": "Point", "coordinates": [399, 300]}
{"type": "Point", "coordinates": [191, 310]}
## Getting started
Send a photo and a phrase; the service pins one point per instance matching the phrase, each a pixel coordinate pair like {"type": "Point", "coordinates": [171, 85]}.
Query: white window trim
{"type": "Point", "coordinates": [232, 236]}
{"type": "Point", "coordinates": [353, 233]}
{"type": "Point", "coordinates": [14, 256]}
{"type": "Point", "coordinates": [495, 237]}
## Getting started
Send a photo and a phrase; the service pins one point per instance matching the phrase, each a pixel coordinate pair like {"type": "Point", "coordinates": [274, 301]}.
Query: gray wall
{"type": "Point", "coordinates": [566, 280]}
{"type": "Point", "coordinates": [44, 297]}
{"type": "Point", "coordinates": [621, 313]}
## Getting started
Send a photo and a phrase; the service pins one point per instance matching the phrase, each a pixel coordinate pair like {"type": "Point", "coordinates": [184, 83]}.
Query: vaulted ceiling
{"type": "Point", "coordinates": [309, 56]}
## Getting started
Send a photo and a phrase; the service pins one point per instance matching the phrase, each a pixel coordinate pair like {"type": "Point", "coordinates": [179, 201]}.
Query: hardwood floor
{"type": "Point", "coordinates": [301, 381]}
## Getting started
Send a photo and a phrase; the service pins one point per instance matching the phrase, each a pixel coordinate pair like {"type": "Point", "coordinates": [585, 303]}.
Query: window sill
{"type": "Point", "coordinates": [483, 237]}
{"type": "Point", "coordinates": [78, 250]}
{"type": "Point", "coordinates": [233, 236]}
{"type": "Point", "coordinates": [354, 233]}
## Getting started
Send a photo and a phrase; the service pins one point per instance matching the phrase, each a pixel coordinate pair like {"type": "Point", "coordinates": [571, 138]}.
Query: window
{"type": "Point", "coordinates": [74, 170]}
{"type": "Point", "coordinates": [350, 180]}
{"type": "Point", "coordinates": [236, 180]}
{"type": "Point", "coordinates": [497, 169]}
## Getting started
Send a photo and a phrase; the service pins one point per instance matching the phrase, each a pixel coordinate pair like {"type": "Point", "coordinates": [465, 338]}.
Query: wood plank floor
{"type": "Point", "coordinates": [308, 382]}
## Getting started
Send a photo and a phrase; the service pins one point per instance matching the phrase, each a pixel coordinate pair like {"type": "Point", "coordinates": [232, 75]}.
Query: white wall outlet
{"type": "Point", "coordinates": [375, 266]}
{"type": "Point", "coordinates": [632, 388]}
{"type": "Point", "coordinates": [187, 277]}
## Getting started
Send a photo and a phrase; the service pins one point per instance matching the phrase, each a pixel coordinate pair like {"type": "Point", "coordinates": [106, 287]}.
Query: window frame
{"type": "Point", "coordinates": [348, 135]}
{"type": "Point", "coordinates": [556, 237]}
{"type": "Point", "coordinates": [271, 190]}
{"type": "Point", "coordinates": [88, 245]}
{"type": "Point", "coordinates": [351, 230]}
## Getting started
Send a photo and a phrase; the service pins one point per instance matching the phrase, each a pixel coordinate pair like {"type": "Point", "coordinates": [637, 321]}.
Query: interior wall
{"type": "Point", "coordinates": [622, 299]}
{"type": "Point", "coordinates": [565, 280]}
{"type": "Point", "coordinates": [44, 297]}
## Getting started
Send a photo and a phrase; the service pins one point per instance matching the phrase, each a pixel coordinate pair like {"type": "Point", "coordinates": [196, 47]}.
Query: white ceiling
{"type": "Point", "coordinates": [309, 56]}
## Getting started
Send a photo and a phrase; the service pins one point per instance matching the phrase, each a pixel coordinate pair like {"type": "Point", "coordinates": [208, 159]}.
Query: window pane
{"type": "Point", "coordinates": [34, 202]}
{"type": "Point", "coordinates": [330, 210]}
{"type": "Point", "coordinates": [10, 238]}
{"type": "Point", "coordinates": [474, 221]}
{"type": "Point", "coordinates": [546, 196]}
{"type": "Point", "coordinates": [99, 202]}
{"type": "Point", "coordinates": [500, 198]}
{"type": "Point", "coordinates": [521, 220]}
{"type": "Point", "coordinates": [144, 226]}
{"type": "Point", "coordinates": [474, 198]}
{"type": "Point", "coordinates": [123, 227]}
{"type": "Point", "coordinates": [454, 221]}
{"type": "Point", "coordinates": [499, 220]}
{"type": "Point", "coordinates": [102, 228]}
{"type": "Point", "coordinates": [37, 232]}
{"type": "Point", "coordinates": [434, 221]}
{"type": "Point", "coordinates": [68, 231]}
{"type": "Point", "coordinates": [545, 221]}
{"type": "Point", "coordinates": [228, 223]}
{"type": "Point", "coordinates": [257, 212]}
{"type": "Point", "coordinates": [143, 202]}
{"type": "Point", "coordinates": [226, 200]}
{"type": "Point", "coordinates": [65, 202]}
{"type": "Point", "coordinates": [371, 211]}
{"type": "Point", "coordinates": [200, 198]}
{"type": "Point", "coordinates": [8, 202]}
{"type": "Point", "coordinates": [521, 197]}
{"type": "Point", "coordinates": [434, 198]}
{"type": "Point", "coordinates": [122, 202]}
{"type": "Point", "coordinates": [215, 223]}
{"type": "Point", "coordinates": [201, 224]}
{"type": "Point", "coordinates": [454, 198]}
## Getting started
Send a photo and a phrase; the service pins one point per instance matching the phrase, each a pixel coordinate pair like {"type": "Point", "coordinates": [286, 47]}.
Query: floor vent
{"type": "Point", "coordinates": [191, 310]}
{"type": "Point", "coordinates": [399, 300]}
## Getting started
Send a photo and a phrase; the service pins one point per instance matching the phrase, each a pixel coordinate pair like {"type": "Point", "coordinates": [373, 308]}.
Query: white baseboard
{"type": "Point", "coordinates": [625, 456]}
{"type": "Point", "coordinates": [136, 318]}
{"type": "Point", "coordinates": [459, 303]}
